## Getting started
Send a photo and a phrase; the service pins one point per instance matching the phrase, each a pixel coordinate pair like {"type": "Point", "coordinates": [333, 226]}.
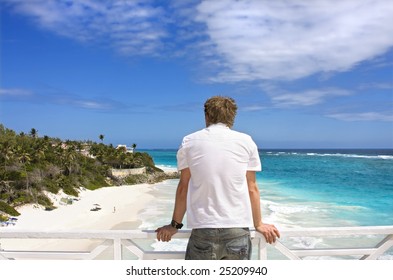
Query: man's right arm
{"type": "Point", "coordinates": [181, 195]}
{"type": "Point", "coordinates": [165, 233]}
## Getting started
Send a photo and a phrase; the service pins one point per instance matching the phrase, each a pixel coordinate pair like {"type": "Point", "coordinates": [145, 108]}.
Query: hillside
{"type": "Point", "coordinates": [31, 165]}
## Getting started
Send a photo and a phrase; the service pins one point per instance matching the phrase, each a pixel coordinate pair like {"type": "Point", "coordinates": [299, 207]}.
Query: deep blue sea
{"type": "Point", "coordinates": [306, 188]}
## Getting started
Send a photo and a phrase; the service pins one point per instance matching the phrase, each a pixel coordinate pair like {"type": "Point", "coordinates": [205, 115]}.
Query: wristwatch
{"type": "Point", "coordinates": [176, 225]}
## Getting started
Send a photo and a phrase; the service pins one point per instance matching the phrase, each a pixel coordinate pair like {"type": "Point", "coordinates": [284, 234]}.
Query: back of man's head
{"type": "Point", "coordinates": [220, 109]}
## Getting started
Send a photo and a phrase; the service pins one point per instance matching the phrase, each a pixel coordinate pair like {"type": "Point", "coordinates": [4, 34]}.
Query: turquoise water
{"type": "Point", "coordinates": [302, 188]}
{"type": "Point", "coordinates": [320, 187]}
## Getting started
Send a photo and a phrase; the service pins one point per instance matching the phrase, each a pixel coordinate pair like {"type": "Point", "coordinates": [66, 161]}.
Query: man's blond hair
{"type": "Point", "coordinates": [220, 109]}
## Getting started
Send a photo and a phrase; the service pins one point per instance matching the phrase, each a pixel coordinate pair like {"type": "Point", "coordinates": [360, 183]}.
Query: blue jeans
{"type": "Point", "coordinates": [219, 244]}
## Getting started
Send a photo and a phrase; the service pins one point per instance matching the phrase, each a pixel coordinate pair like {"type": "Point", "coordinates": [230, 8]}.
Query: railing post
{"type": "Point", "coordinates": [381, 247]}
{"type": "Point", "coordinates": [117, 249]}
{"type": "Point", "coordinates": [262, 248]}
{"type": "Point", "coordinates": [2, 257]}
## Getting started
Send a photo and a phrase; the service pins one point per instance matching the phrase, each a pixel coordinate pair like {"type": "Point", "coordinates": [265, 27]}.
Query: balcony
{"type": "Point", "coordinates": [360, 243]}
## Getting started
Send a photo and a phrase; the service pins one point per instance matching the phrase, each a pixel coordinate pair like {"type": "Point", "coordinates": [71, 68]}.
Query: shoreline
{"type": "Point", "coordinates": [119, 208]}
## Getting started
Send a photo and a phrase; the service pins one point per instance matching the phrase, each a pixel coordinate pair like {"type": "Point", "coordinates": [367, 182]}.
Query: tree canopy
{"type": "Point", "coordinates": [30, 165]}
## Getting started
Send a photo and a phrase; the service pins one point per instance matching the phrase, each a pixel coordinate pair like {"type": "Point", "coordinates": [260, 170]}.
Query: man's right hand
{"type": "Point", "coordinates": [165, 233]}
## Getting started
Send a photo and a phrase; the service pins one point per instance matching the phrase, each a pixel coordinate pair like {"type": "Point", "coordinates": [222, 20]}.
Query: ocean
{"type": "Point", "coordinates": [303, 188]}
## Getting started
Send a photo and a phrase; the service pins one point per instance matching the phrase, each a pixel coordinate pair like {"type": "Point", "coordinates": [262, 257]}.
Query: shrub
{"type": "Point", "coordinates": [51, 186]}
{"type": "Point", "coordinates": [22, 198]}
{"type": "Point", "coordinates": [135, 179]}
{"type": "Point", "coordinates": [68, 185]}
{"type": "Point", "coordinates": [44, 200]}
{"type": "Point", "coordinates": [4, 207]}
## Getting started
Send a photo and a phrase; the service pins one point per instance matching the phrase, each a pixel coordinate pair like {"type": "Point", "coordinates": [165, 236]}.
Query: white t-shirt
{"type": "Point", "coordinates": [218, 158]}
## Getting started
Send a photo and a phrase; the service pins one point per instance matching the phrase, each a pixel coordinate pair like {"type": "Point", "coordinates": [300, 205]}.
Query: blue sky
{"type": "Point", "coordinates": [305, 74]}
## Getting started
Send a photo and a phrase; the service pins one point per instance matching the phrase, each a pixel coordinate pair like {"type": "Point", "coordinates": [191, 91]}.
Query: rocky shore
{"type": "Point", "coordinates": [146, 178]}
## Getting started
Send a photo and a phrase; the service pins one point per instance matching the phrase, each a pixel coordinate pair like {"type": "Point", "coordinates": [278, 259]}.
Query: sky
{"type": "Point", "coordinates": [305, 74]}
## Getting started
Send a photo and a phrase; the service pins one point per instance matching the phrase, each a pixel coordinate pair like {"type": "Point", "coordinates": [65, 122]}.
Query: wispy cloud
{"type": "Point", "coordinates": [252, 108]}
{"type": "Point", "coordinates": [287, 40]}
{"type": "Point", "coordinates": [306, 97]}
{"type": "Point", "coordinates": [90, 104]}
{"type": "Point", "coordinates": [365, 116]}
{"type": "Point", "coordinates": [14, 92]}
{"type": "Point", "coordinates": [53, 96]}
{"type": "Point", "coordinates": [387, 86]}
{"type": "Point", "coordinates": [131, 27]}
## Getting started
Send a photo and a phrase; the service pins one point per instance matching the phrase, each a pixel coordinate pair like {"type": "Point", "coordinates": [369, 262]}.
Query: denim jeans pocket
{"type": "Point", "coordinates": [239, 248]}
{"type": "Point", "coordinates": [199, 249]}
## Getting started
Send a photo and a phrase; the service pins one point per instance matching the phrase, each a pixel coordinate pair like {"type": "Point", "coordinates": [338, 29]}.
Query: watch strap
{"type": "Point", "coordinates": [176, 225]}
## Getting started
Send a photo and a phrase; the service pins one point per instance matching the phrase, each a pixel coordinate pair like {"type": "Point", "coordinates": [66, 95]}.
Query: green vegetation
{"type": "Point", "coordinates": [30, 165]}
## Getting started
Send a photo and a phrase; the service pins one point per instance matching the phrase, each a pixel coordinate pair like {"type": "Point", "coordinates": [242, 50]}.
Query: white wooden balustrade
{"type": "Point", "coordinates": [131, 244]}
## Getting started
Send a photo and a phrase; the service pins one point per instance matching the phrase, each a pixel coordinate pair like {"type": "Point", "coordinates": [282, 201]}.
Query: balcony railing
{"type": "Point", "coordinates": [363, 243]}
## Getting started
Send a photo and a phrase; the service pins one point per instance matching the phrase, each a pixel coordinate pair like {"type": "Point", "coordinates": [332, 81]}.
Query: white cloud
{"type": "Point", "coordinates": [98, 104]}
{"type": "Point", "coordinates": [15, 92]}
{"type": "Point", "coordinates": [131, 27]}
{"type": "Point", "coordinates": [365, 116]}
{"type": "Point", "coordinates": [305, 98]}
{"type": "Point", "coordinates": [287, 40]}
{"type": "Point", "coordinates": [387, 86]}
{"type": "Point", "coordinates": [252, 108]}
{"type": "Point", "coordinates": [60, 97]}
{"type": "Point", "coordinates": [91, 104]}
{"type": "Point", "coordinates": [250, 40]}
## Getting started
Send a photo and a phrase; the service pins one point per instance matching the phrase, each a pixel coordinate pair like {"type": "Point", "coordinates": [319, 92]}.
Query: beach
{"type": "Point", "coordinates": [119, 208]}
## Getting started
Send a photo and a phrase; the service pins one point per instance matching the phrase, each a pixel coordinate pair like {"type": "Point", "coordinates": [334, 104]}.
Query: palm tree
{"type": "Point", "coordinates": [6, 187]}
{"type": "Point", "coordinates": [25, 158]}
{"type": "Point", "coordinates": [34, 132]}
{"type": "Point", "coordinates": [68, 156]}
{"type": "Point", "coordinates": [40, 152]}
{"type": "Point", "coordinates": [102, 137]}
{"type": "Point", "coordinates": [7, 152]}
{"type": "Point", "coordinates": [133, 147]}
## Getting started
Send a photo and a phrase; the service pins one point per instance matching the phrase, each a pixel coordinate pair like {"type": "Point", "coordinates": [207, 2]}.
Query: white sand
{"type": "Point", "coordinates": [119, 210]}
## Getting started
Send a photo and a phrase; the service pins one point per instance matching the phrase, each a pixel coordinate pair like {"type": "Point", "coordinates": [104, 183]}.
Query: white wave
{"type": "Point", "coordinates": [386, 257]}
{"type": "Point", "coordinates": [306, 242]}
{"type": "Point", "coordinates": [276, 153]}
{"type": "Point", "coordinates": [284, 209]}
{"type": "Point", "coordinates": [167, 168]}
{"type": "Point", "coordinates": [351, 207]}
{"type": "Point", "coordinates": [387, 157]}
{"type": "Point", "coordinates": [316, 154]}
{"type": "Point", "coordinates": [173, 245]}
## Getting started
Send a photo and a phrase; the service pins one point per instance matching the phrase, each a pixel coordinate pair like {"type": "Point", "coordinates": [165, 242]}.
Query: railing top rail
{"type": "Point", "coordinates": [335, 231]}
{"type": "Point", "coordinates": [131, 234]}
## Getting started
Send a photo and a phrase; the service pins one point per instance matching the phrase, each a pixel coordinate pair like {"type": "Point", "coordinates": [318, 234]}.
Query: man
{"type": "Point", "coordinates": [218, 188]}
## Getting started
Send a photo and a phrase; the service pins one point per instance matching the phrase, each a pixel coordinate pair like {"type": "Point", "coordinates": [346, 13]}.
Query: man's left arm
{"type": "Point", "coordinates": [270, 232]}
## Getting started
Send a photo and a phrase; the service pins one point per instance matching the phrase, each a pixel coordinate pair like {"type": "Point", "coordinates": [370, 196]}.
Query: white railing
{"type": "Point", "coordinates": [128, 244]}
